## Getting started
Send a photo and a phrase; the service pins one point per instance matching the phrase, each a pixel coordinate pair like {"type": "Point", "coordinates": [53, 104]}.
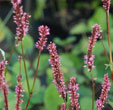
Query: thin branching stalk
{"type": "Point", "coordinates": [9, 60]}
{"type": "Point", "coordinates": [109, 41]}
{"type": "Point", "coordinates": [105, 50]}
{"type": "Point", "coordinates": [34, 80]}
{"type": "Point", "coordinates": [26, 73]}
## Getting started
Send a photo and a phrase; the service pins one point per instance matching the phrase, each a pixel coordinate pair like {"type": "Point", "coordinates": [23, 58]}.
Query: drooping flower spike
{"type": "Point", "coordinates": [106, 4]}
{"type": "Point", "coordinates": [89, 59]}
{"type": "Point", "coordinates": [104, 93]}
{"type": "Point", "coordinates": [73, 95]}
{"type": "Point", "coordinates": [21, 20]}
{"type": "Point", "coordinates": [57, 73]}
{"type": "Point", "coordinates": [43, 32]}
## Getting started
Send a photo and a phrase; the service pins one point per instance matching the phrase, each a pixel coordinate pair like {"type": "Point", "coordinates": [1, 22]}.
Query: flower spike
{"type": "Point", "coordinates": [43, 32]}
{"type": "Point", "coordinates": [57, 73]}
{"type": "Point", "coordinates": [21, 20]}
{"type": "Point", "coordinates": [19, 92]}
{"type": "Point", "coordinates": [73, 88]}
{"type": "Point", "coordinates": [106, 4]}
{"type": "Point", "coordinates": [105, 89]}
{"type": "Point", "coordinates": [89, 59]}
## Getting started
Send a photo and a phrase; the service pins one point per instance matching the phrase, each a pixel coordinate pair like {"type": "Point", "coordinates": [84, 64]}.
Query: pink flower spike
{"type": "Point", "coordinates": [106, 4]}
{"type": "Point", "coordinates": [104, 93]}
{"type": "Point", "coordinates": [5, 94]}
{"type": "Point", "coordinates": [2, 69]}
{"type": "Point", "coordinates": [89, 59]}
{"type": "Point", "coordinates": [73, 88]}
{"type": "Point", "coordinates": [63, 107]}
{"type": "Point", "coordinates": [43, 32]}
{"type": "Point", "coordinates": [21, 20]}
{"type": "Point", "coordinates": [19, 92]}
{"type": "Point", "coordinates": [57, 73]}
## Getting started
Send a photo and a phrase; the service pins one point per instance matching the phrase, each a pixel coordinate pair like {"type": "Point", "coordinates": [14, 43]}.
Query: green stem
{"type": "Point", "coordinates": [109, 41]}
{"type": "Point", "coordinates": [105, 50]}
{"type": "Point", "coordinates": [93, 90]}
{"type": "Point", "coordinates": [9, 61]}
{"type": "Point", "coordinates": [26, 74]}
{"type": "Point", "coordinates": [34, 80]}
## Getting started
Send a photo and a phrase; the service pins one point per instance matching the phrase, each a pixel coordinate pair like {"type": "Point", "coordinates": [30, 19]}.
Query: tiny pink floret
{"type": "Point", "coordinates": [63, 107]}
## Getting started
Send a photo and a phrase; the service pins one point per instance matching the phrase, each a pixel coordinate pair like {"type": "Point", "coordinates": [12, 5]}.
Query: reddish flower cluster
{"type": "Point", "coordinates": [43, 32]}
{"type": "Point", "coordinates": [106, 4]}
{"type": "Point", "coordinates": [3, 84]}
{"type": "Point", "coordinates": [73, 88]}
{"type": "Point", "coordinates": [21, 20]}
{"type": "Point", "coordinates": [2, 68]}
{"type": "Point", "coordinates": [19, 92]}
{"type": "Point", "coordinates": [89, 59]}
{"type": "Point", "coordinates": [57, 73]}
{"type": "Point", "coordinates": [63, 107]}
{"type": "Point", "coordinates": [103, 97]}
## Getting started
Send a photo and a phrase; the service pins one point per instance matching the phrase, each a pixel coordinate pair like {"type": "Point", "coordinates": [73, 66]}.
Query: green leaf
{"type": "Point", "coordinates": [99, 17]}
{"type": "Point", "coordinates": [36, 88]}
{"type": "Point", "coordinates": [52, 100]}
{"type": "Point", "coordinates": [43, 64]}
{"type": "Point", "coordinates": [12, 100]}
{"type": "Point", "coordinates": [28, 45]}
{"type": "Point", "coordinates": [40, 5]}
{"type": "Point", "coordinates": [39, 97]}
{"type": "Point", "coordinates": [15, 70]}
{"type": "Point", "coordinates": [111, 103]}
{"type": "Point", "coordinates": [79, 29]}
{"type": "Point", "coordinates": [49, 75]}
{"type": "Point", "coordinates": [85, 92]}
{"type": "Point", "coordinates": [86, 103]}
{"type": "Point", "coordinates": [65, 42]}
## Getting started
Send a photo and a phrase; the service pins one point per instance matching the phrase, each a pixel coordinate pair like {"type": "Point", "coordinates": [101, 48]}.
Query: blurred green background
{"type": "Point", "coordinates": [70, 24]}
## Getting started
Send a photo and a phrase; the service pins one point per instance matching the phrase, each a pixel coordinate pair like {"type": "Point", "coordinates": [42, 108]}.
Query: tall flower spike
{"type": "Point", "coordinates": [73, 88]}
{"type": "Point", "coordinates": [63, 107]}
{"type": "Point", "coordinates": [89, 59]}
{"type": "Point", "coordinates": [106, 4]}
{"type": "Point", "coordinates": [105, 89]}
{"type": "Point", "coordinates": [19, 92]}
{"type": "Point", "coordinates": [43, 32]}
{"type": "Point", "coordinates": [5, 94]}
{"type": "Point", "coordinates": [2, 68]}
{"type": "Point", "coordinates": [21, 20]}
{"type": "Point", "coordinates": [57, 73]}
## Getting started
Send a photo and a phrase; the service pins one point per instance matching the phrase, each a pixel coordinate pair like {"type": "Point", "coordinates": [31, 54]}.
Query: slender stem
{"type": "Point", "coordinates": [9, 61]}
{"type": "Point", "coordinates": [36, 71]}
{"type": "Point", "coordinates": [26, 74]}
{"type": "Point", "coordinates": [20, 67]}
{"type": "Point", "coordinates": [28, 101]}
{"type": "Point", "coordinates": [105, 50]}
{"type": "Point", "coordinates": [109, 41]}
{"type": "Point", "coordinates": [93, 90]}
{"type": "Point", "coordinates": [34, 80]}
